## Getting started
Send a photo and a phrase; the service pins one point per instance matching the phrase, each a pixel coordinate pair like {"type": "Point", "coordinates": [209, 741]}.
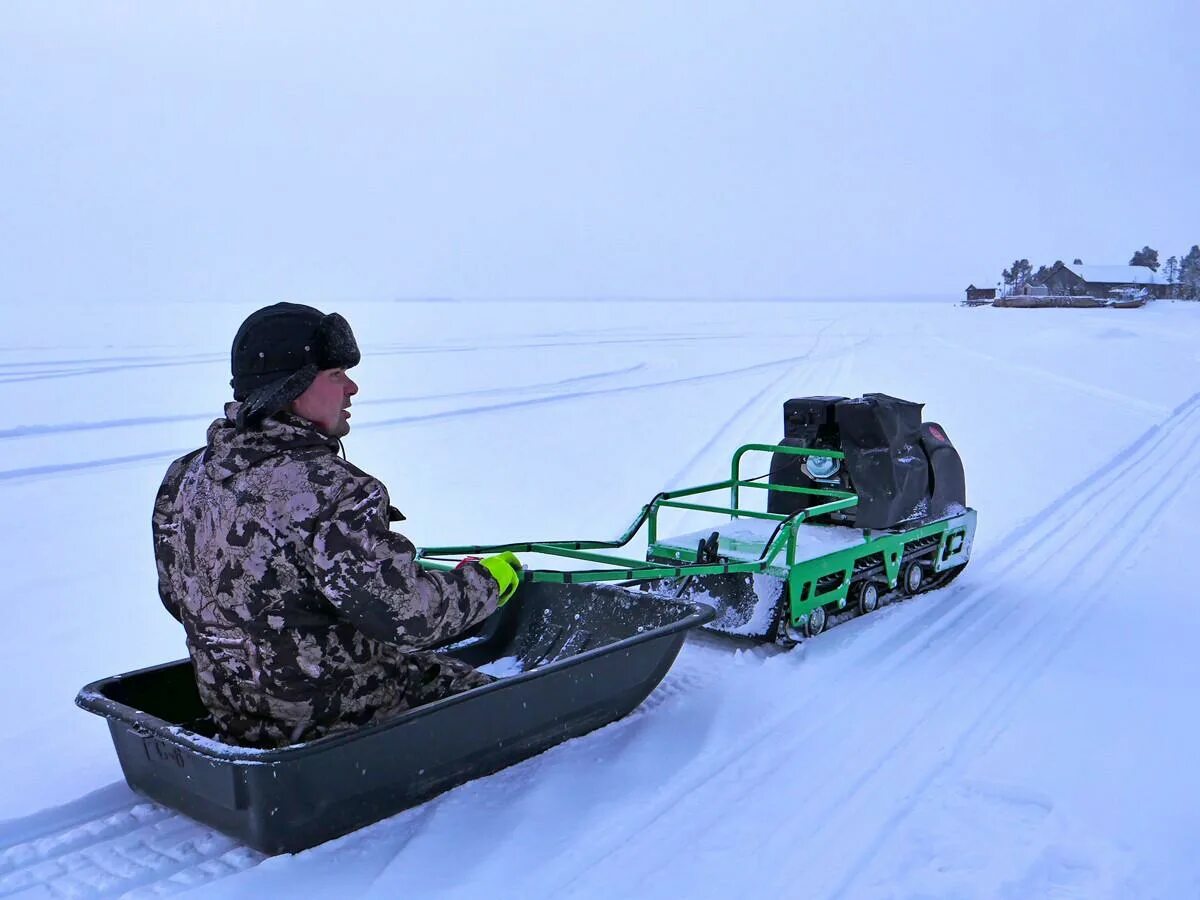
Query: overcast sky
{"type": "Point", "coordinates": [319, 151]}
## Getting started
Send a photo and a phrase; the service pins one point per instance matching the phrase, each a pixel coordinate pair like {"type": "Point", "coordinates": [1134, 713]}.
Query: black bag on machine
{"type": "Point", "coordinates": [904, 471]}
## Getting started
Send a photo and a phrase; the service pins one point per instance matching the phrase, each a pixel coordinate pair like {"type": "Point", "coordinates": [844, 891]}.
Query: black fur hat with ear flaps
{"type": "Point", "coordinates": [278, 352]}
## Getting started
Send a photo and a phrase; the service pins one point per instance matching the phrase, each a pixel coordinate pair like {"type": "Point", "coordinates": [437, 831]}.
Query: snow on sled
{"type": "Point", "coordinates": [573, 657]}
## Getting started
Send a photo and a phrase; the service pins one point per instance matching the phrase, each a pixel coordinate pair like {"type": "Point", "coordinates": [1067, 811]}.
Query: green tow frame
{"type": "Point", "coordinates": [822, 581]}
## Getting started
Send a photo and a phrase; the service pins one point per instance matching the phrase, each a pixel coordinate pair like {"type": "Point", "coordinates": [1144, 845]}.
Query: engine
{"type": "Point", "coordinates": [904, 471]}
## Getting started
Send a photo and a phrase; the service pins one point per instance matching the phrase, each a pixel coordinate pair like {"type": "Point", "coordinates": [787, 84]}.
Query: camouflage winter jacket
{"type": "Point", "coordinates": [301, 607]}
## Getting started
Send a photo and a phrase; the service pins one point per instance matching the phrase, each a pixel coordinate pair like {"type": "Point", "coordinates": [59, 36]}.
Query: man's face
{"type": "Point", "coordinates": [326, 403]}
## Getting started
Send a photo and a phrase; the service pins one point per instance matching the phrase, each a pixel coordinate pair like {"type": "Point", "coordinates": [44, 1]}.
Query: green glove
{"type": "Point", "coordinates": [506, 569]}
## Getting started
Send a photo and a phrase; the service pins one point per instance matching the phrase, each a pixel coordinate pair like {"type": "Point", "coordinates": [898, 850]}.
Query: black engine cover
{"type": "Point", "coordinates": [949, 492]}
{"type": "Point", "coordinates": [881, 437]}
{"type": "Point", "coordinates": [904, 471]}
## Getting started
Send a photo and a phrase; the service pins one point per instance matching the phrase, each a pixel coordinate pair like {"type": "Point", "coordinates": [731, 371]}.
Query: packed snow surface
{"type": "Point", "coordinates": [1028, 731]}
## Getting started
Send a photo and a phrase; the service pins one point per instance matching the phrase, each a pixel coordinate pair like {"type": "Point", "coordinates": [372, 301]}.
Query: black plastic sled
{"type": "Point", "coordinates": [571, 659]}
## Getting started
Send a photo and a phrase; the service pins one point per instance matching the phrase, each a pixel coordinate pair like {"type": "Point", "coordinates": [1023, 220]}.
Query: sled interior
{"type": "Point", "coordinates": [569, 659]}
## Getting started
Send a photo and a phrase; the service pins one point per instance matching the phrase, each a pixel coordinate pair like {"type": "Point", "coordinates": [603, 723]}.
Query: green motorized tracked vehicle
{"type": "Point", "coordinates": [865, 503]}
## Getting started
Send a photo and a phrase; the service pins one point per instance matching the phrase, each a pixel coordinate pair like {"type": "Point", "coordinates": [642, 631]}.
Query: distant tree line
{"type": "Point", "coordinates": [1181, 275]}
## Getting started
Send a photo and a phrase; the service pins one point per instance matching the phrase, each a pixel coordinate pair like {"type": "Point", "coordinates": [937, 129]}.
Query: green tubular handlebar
{"type": "Point", "coordinates": [622, 569]}
{"type": "Point", "coordinates": [735, 471]}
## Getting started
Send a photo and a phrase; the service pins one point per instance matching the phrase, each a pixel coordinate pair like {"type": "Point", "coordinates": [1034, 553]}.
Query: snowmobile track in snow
{"type": "Point", "coordinates": [26, 431]}
{"type": "Point", "coordinates": [1000, 618]}
{"type": "Point", "coordinates": [143, 850]}
{"type": "Point", "coordinates": [462, 412]}
{"type": "Point", "coordinates": [765, 403]}
{"type": "Point", "coordinates": [1042, 375]}
{"type": "Point", "coordinates": [1093, 527]}
{"type": "Point", "coordinates": [41, 370]}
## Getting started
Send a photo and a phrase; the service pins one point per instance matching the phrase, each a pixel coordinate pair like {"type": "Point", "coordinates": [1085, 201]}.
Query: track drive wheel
{"type": "Point", "coordinates": [816, 622]}
{"type": "Point", "coordinates": [865, 596]}
{"type": "Point", "coordinates": [912, 578]}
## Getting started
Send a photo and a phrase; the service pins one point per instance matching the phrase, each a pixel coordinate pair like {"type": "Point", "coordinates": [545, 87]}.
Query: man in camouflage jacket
{"type": "Point", "coordinates": [305, 614]}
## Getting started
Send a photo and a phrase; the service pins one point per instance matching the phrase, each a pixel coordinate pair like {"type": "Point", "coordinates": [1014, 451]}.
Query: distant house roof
{"type": "Point", "coordinates": [1116, 274]}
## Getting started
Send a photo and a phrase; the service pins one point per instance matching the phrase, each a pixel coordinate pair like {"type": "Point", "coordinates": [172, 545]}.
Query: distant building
{"type": "Point", "coordinates": [979, 296]}
{"type": "Point", "coordinates": [1026, 289]}
{"type": "Point", "coordinates": [1102, 281]}
{"type": "Point", "coordinates": [1029, 289]}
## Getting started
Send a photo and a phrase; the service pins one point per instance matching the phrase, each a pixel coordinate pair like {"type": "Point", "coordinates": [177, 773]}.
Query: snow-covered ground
{"type": "Point", "coordinates": [1029, 731]}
